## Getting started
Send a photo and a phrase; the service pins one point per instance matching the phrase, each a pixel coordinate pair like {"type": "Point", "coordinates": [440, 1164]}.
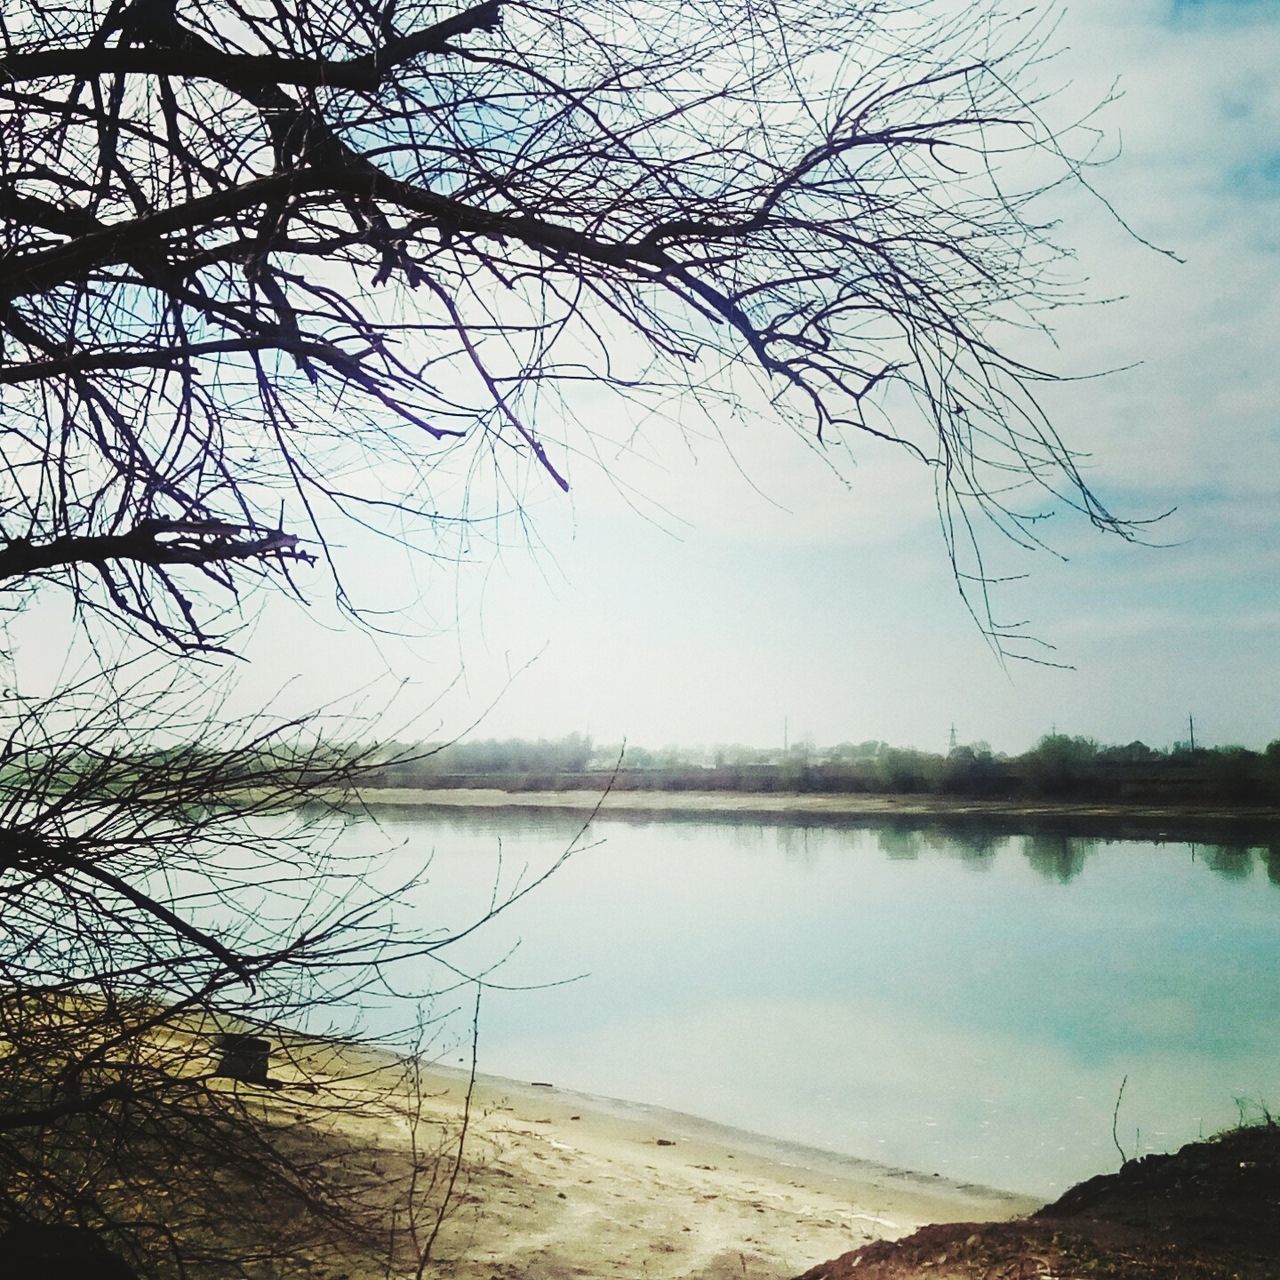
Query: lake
{"type": "Point", "coordinates": [966, 1003]}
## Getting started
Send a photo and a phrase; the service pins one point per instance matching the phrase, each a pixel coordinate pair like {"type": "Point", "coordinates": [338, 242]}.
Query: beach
{"type": "Point", "coordinates": [555, 1183]}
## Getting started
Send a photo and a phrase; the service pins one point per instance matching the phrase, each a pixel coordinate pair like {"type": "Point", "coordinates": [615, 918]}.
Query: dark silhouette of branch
{"type": "Point", "coordinates": [243, 216]}
{"type": "Point", "coordinates": [43, 1117]}
{"type": "Point", "coordinates": [156, 542]}
{"type": "Point", "coordinates": [109, 246]}
{"type": "Point", "coordinates": [195, 59]}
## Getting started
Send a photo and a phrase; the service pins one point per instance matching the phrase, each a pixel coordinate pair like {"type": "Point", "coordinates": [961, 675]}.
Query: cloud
{"type": "Point", "coordinates": [1194, 424]}
{"type": "Point", "coordinates": [1184, 13]}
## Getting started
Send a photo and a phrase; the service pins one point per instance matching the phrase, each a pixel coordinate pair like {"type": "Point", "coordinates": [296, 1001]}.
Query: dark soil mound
{"type": "Point", "coordinates": [1210, 1212]}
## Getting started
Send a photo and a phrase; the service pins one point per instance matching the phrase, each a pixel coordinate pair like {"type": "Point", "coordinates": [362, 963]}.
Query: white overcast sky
{"type": "Point", "coordinates": [770, 592]}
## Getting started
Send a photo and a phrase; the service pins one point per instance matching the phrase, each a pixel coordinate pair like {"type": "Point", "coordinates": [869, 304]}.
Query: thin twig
{"type": "Point", "coordinates": [1115, 1119]}
{"type": "Point", "coordinates": [425, 1256]}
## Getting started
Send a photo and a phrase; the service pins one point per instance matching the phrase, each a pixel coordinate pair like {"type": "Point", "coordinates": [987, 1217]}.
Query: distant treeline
{"type": "Point", "coordinates": [1057, 767]}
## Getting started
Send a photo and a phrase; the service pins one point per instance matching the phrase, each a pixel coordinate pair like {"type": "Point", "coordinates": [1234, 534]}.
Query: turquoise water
{"type": "Point", "coordinates": [966, 1004]}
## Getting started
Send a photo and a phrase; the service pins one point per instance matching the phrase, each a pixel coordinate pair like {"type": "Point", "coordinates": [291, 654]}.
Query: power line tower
{"type": "Point", "coordinates": [951, 739]}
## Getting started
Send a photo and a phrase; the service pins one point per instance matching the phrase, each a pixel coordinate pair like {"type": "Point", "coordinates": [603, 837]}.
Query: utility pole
{"type": "Point", "coordinates": [1191, 724]}
{"type": "Point", "coordinates": [785, 743]}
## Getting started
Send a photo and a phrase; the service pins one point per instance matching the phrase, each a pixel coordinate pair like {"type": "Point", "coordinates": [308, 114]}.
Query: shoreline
{"type": "Point", "coordinates": [843, 809]}
{"type": "Point", "coordinates": [783, 1152]}
{"type": "Point", "coordinates": [556, 1183]}
{"type": "Point", "coordinates": [581, 1184]}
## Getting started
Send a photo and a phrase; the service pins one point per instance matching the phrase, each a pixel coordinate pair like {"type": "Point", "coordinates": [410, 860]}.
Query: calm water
{"type": "Point", "coordinates": [967, 1004]}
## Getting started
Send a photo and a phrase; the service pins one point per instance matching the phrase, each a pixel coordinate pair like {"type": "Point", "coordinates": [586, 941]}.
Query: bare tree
{"type": "Point", "coordinates": [273, 270]}
{"type": "Point", "coordinates": [266, 266]}
{"type": "Point", "coordinates": [171, 890]}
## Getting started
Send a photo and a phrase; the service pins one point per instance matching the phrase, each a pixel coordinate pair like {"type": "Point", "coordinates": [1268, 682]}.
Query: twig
{"type": "Point", "coordinates": [425, 1256]}
{"type": "Point", "coordinates": [1115, 1119]}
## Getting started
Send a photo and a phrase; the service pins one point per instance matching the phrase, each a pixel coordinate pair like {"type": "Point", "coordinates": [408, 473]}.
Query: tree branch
{"type": "Point", "coordinates": [42, 1117]}
{"type": "Point", "coordinates": [153, 542]}
{"type": "Point", "coordinates": [48, 268]}
{"type": "Point", "coordinates": [199, 61]}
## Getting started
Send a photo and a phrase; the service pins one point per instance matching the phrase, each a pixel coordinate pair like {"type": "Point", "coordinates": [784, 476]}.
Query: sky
{"type": "Point", "coordinates": [752, 593]}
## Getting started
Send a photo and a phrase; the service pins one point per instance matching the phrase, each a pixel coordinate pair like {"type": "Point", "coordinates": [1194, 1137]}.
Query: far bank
{"type": "Point", "coordinates": [1208, 823]}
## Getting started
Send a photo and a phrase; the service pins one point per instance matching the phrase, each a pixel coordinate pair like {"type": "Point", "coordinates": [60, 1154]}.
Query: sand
{"type": "Point", "coordinates": [557, 1184]}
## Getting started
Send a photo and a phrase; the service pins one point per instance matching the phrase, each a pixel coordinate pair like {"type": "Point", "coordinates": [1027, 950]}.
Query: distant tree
{"type": "Point", "coordinates": [1235, 773]}
{"type": "Point", "coordinates": [1058, 763]}
{"type": "Point", "coordinates": [906, 770]}
{"type": "Point", "coordinates": [1132, 753]}
{"type": "Point", "coordinates": [971, 770]}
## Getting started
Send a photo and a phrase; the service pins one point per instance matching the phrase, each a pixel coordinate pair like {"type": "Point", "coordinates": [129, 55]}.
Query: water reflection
{"type": "Point", "coordinates": [797, 847]}
{"type": "Point", "coordinates": [857, 987]}
{"type": "Point", "coordinates": [977, 848]}
{"type": "Point", "coordinates": [973, 846]}
{"type": "Point", "coordinates": [1235, 861]}
{"type": "Point", "coordinates": [1059, 856]}
{"type": "Point", "coordinates": [1057, 848]}
{"type": "Point", "coordinates": [1271, 860]}
{"type": "Point", "coordinates": [1056, 857]}
{"type": "Point", "coordinates": [901, 844]}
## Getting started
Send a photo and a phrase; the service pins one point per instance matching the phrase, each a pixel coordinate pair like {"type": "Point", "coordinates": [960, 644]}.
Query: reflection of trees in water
{"type": "Point", "coordinates": [1235, 861]}
{"type": "Point", "coordinates": [1054, 855]}
{"type": "Point", "coordinates": [796, 847]}
{"type": "Point", "coordinates": [1058, 857]}
{"type": "Point", "coordinates": [901, 844]}
{"type": "Point", "coordinates": [1062, 857]}
{"type": "Point", "coordinates": [975, 847]}
{"type": "Point", "coordinates": [1271, 860]}
{"type": "Point", "coordinates": [748, 836]}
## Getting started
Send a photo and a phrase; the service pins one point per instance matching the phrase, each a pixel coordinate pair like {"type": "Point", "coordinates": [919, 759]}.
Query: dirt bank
{"type": "Point", "coordinates": [1209, 1212]}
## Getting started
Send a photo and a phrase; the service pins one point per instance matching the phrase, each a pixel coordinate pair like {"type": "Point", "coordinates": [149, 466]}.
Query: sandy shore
{"type": "Point", "coordinates": [557, 1184]}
